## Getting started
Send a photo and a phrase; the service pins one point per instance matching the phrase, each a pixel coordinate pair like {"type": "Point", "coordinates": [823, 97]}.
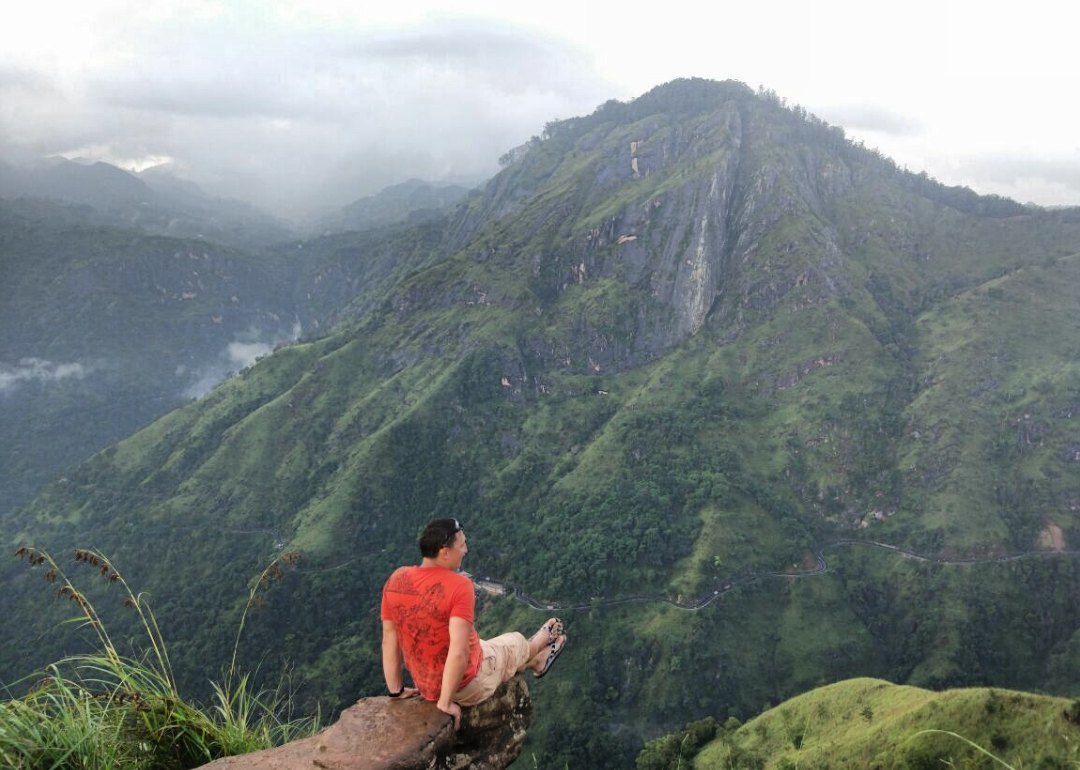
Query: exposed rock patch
{"type": "Point", "coordinates": [1051, 538]}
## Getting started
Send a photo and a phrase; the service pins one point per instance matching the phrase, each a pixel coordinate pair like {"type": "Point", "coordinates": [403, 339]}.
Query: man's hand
{"type": "Point", "coordinates": [453, 710]}
{"type": "Point", "coordinates": [408, 692]}
{"type": "Point", "coordinates": [457, 659]}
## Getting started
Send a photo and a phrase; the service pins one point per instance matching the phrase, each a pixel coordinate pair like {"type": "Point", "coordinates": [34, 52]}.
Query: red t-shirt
{"type": "Point", "coordinates": [420, 601]}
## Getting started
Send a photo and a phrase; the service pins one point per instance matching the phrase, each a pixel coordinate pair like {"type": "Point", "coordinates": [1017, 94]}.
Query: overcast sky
{"type": "Point", "coordinates": [298, 103]}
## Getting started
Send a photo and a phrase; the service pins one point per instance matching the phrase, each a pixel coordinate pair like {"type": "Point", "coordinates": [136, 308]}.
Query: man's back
{"type": "Point", "coordinates": [420, 602]}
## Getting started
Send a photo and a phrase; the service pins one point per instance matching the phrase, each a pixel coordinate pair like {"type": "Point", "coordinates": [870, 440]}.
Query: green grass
{"type": "Point", "coordinates": [874, 725]}
{"type": "Point", "coordinates": [107, 710]}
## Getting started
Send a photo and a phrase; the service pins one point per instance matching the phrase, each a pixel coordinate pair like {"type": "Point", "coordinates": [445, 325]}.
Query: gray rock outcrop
{"type": "Point", "coordinates": [387, 734]}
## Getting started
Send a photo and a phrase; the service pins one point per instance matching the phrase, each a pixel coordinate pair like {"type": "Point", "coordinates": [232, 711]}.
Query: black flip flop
{"type": "Point", "coordinates": [555, 650]}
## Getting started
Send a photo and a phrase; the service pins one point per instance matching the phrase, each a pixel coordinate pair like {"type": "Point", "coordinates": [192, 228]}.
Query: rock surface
{"type": "Point", "coordinates": [387, 734]}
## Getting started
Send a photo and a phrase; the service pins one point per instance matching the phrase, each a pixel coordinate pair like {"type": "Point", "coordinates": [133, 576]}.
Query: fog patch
{"type": "Point", "coordinates": [38, 370]}
{"type": "Point", "coordinates": [244, 354]}
{"type": "Point", "coordinates": [1025, 172]}
{"type": "Point", "coordinates": [245, 349]}
{"type": "Point", "coordinates": [864, 117]}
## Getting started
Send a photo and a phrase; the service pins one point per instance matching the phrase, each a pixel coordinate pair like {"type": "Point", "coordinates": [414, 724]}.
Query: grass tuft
{"type": "Point", "coordinates": [104, 710]}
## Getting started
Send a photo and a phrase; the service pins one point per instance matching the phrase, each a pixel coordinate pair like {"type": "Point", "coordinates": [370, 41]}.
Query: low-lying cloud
{"type": "Point", "coordinates": [242, 352]}
{"type": "Point", "coordinates": [870, 118]}
{"type": "Point", "coordinates": [38, 370]}
{"type": "Point", "coordinates": [1023, 178]}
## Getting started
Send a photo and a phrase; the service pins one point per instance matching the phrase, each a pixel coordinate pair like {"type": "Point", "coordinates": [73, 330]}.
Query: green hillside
{"type": "Point", "coordinates": [665, 368]}
{"type": "Point", "coordinates": [874, 725]}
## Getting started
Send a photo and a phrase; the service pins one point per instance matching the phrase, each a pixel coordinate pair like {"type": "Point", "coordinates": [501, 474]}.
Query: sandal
{"type": "Point", "coordinates": [553, 652]}
{"type": "Point", "coordinates": [554, 628]}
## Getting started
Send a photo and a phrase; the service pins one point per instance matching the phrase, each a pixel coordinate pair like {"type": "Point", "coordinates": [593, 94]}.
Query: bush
{"type": "Point", "coordinates": [678, 749]}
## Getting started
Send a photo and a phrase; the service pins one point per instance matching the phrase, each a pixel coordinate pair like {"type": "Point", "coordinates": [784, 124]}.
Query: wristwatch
{"type": "Point", "coordinates": [398, 693]}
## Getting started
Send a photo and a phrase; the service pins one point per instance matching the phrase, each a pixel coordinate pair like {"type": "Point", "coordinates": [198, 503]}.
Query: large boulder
{"type": "Point", "coordinates": [388, 734]}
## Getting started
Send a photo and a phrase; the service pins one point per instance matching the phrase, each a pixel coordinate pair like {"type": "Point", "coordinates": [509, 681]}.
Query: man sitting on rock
{"type": "Point", "coordinates": [427, 620]}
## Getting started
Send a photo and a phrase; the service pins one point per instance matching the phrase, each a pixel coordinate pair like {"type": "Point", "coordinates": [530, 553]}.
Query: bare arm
{"type": "Point", "coordinates": [392, 661]}
{"type": "Point", "coordinates": [457, 660]}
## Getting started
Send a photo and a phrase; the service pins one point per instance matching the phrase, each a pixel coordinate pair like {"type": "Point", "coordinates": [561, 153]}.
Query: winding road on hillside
{"type": "Point", "coordinates": [723, 586]}
{"type": "Point", "coordinates": [727, 585]}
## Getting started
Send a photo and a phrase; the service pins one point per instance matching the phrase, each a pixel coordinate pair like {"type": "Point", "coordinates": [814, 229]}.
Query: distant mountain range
{"type": "Point", "coordinates": [749, 406]}
{"type": "Point", "coordinates": [412, 200]}
{"type": "Point", "coordinates": [158, 201]}
{"type": "Point", "coordinates": [154, 201]}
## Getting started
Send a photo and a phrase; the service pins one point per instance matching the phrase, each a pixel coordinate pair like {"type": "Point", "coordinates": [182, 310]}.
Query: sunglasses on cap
{"type": "Point", "coordinates": [453, 534]}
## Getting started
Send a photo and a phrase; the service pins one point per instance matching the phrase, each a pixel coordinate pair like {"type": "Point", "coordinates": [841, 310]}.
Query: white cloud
{"type": "Point", "coordinates": [38, 370]}
{"type": "Point", "coordinates": [244, 354]}
{"type": "Point", "coordinates": [237, 355]}
{"type": "Point", "coordinates": [298, 117]}
{"type": "Point", "coordinates": [864, 117]}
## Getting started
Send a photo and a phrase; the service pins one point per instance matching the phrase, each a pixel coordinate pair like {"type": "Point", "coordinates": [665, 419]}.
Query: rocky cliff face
{"type": "Point", "coordinates": [660, 210]}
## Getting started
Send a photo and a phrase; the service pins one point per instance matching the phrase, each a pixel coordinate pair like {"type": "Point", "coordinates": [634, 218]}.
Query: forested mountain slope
{"type": "Point", "coordinates": [683, 349]}
{"type": "Point", "coordinates": [106, 328]}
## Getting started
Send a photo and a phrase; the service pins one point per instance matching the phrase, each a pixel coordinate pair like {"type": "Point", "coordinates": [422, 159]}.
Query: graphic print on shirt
{"type": "Point", "coordinates": [420, 602]}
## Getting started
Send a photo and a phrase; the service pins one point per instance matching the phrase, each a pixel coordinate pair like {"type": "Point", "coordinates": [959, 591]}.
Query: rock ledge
{"type": "Point", "coordinates": [387, 734]}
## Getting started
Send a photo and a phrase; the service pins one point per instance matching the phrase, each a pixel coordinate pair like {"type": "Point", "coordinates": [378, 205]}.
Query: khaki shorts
{"type": "Point", "coordinates": [504, 656]}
